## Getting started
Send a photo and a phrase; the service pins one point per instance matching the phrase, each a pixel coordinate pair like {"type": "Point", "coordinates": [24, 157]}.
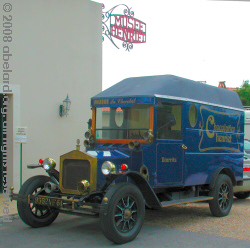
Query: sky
{"type": "Point", "coordinates": [195, 39]}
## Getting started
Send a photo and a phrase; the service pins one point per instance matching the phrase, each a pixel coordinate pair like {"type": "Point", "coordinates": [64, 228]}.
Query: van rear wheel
{"type": "Point", "coordinates": [222, 194]}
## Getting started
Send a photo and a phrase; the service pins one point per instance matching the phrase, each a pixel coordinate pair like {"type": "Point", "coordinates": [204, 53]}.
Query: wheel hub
{"type": "Point", "coordinates": [224, 197]}
{"type": "Point", "coordinates": [127, 214]}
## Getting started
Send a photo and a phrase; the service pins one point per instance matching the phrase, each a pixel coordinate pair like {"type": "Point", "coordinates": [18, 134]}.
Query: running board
{"type": "Point", "coordinates": [186, 200]}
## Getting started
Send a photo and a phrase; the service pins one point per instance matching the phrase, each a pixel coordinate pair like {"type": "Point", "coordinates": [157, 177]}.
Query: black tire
{"type": "Point", "coordinates": [32, 214]}
{"type": "Point", "coordinates": [223, 196]}
{"type": "Point", "coordinates": [242, 195]}
{"type": "Point", "coordinates": [125, 213]}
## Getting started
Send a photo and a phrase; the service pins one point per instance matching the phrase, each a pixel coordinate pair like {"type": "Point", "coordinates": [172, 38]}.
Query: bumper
{"type": "Point", "coordinates": [61, 203]}
{"type": "Point", "coordinates": [245, 187]}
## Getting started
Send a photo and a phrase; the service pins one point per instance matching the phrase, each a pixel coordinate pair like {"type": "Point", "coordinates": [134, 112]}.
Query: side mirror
{"type": "Point", "coordinates": [148, 136]}
{"type": "Point", "coordinates": [170, 120]}
{"type": "Point", "coordinates": [89, 123]}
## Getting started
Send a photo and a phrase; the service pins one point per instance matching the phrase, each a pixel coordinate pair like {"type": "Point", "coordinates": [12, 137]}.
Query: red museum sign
{"type": "Point", "coordinates": [128, 29]}
{"type": "Point", "coordinates": [123, 27]}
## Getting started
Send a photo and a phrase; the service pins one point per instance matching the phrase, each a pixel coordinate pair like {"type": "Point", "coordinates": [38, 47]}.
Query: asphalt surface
{"type": "Point", "coordinates": [78, 231]}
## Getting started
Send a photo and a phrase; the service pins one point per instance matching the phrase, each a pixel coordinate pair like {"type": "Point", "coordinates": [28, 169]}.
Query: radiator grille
{"type": "Point", "coordinates": [75, 170]}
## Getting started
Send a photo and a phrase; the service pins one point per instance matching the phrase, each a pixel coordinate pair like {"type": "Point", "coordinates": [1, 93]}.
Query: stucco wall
{"type": "Point", "coordinates": [56, 50]}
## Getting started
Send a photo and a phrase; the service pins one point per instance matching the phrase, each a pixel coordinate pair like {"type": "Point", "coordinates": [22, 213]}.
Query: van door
{"type": "Point", "coordinates": [169, 144]}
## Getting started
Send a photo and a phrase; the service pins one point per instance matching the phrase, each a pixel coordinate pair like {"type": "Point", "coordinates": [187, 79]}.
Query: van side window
{"type": "Point", "coordinates": [192, 115]}
{"type": "Point", "coordinates": [168, 121]}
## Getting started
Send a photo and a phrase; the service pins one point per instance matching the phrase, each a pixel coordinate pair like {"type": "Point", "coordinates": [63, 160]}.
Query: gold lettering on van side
{"type": "Point", "coordinates": [211, 120]}
{"type": "Point", "coordinates": [221, 128]}
{"type": "Point", "coordinates": [224, 138]}
{"type": "Point", "coordinates": [168, 160]}
{"type": "Point", "coordinates": [101, 101]}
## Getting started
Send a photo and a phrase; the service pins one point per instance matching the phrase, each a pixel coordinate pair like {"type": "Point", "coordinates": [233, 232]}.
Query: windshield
{"type": "Point", "coordinates": [122, 123]}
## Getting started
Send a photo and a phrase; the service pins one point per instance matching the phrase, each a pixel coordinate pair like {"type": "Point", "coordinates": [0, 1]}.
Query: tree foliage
{"type": "Point", "coordinates": [244, 93]}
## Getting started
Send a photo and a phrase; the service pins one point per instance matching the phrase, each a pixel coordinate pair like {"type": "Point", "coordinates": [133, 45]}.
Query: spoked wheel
{"type": "Point", "coordinates": [223, 196]}
{"type": "Point", "coordinates": [39, 211]}
{"type": "Point", "coordinates": [125, 213]}
{"type": "Point", "coordinates": [32, 214]}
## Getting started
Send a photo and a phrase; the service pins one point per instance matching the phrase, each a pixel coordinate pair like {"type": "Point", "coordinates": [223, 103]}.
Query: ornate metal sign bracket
{"type": "Point", "coordinates": [123, 27]}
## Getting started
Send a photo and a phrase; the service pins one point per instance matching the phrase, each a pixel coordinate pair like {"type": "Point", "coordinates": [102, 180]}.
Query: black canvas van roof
{"type": "Point", "coordinates": [173, 87]}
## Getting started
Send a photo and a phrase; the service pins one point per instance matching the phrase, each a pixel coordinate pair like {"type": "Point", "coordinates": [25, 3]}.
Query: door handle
{"type": "Point", "coordinates": [184, 147]}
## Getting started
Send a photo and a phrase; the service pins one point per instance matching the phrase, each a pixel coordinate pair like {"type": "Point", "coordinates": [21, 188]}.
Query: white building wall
{"type": "Point", "coordinates": [56, 50]}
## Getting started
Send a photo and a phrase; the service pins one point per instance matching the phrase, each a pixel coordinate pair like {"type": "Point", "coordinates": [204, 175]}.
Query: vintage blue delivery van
{"type": "Point", "coordinates": [153, 141]}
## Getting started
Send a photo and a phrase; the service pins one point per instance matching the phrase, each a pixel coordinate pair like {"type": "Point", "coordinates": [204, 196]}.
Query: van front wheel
{"type": "Point", "coordinates": [222, 194]}
{"type": "Point", "coordinates": [125, 213]}
{"type": "Point", "coordinates": [32, 214]}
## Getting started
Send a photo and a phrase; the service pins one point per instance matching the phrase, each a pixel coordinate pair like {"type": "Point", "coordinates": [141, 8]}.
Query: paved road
{"type": "Point", "coordinates": [74, 231]}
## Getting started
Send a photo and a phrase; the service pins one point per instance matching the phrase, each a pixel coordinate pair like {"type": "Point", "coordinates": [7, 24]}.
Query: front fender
{"type": "Point", "coordinates": [53, 173]}
{"type": "Point", "coordinates": [141, 182]}
{"type": "Point", "coordinates": [147, 191]}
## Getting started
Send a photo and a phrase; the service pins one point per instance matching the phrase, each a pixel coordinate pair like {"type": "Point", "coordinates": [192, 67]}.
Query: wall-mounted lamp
{"type": "Point", "coordinates": [64, 109]}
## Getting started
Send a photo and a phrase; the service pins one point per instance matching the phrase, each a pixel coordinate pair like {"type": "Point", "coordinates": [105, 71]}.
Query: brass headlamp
{"type": "Point", "coordinates": [49, 164]}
